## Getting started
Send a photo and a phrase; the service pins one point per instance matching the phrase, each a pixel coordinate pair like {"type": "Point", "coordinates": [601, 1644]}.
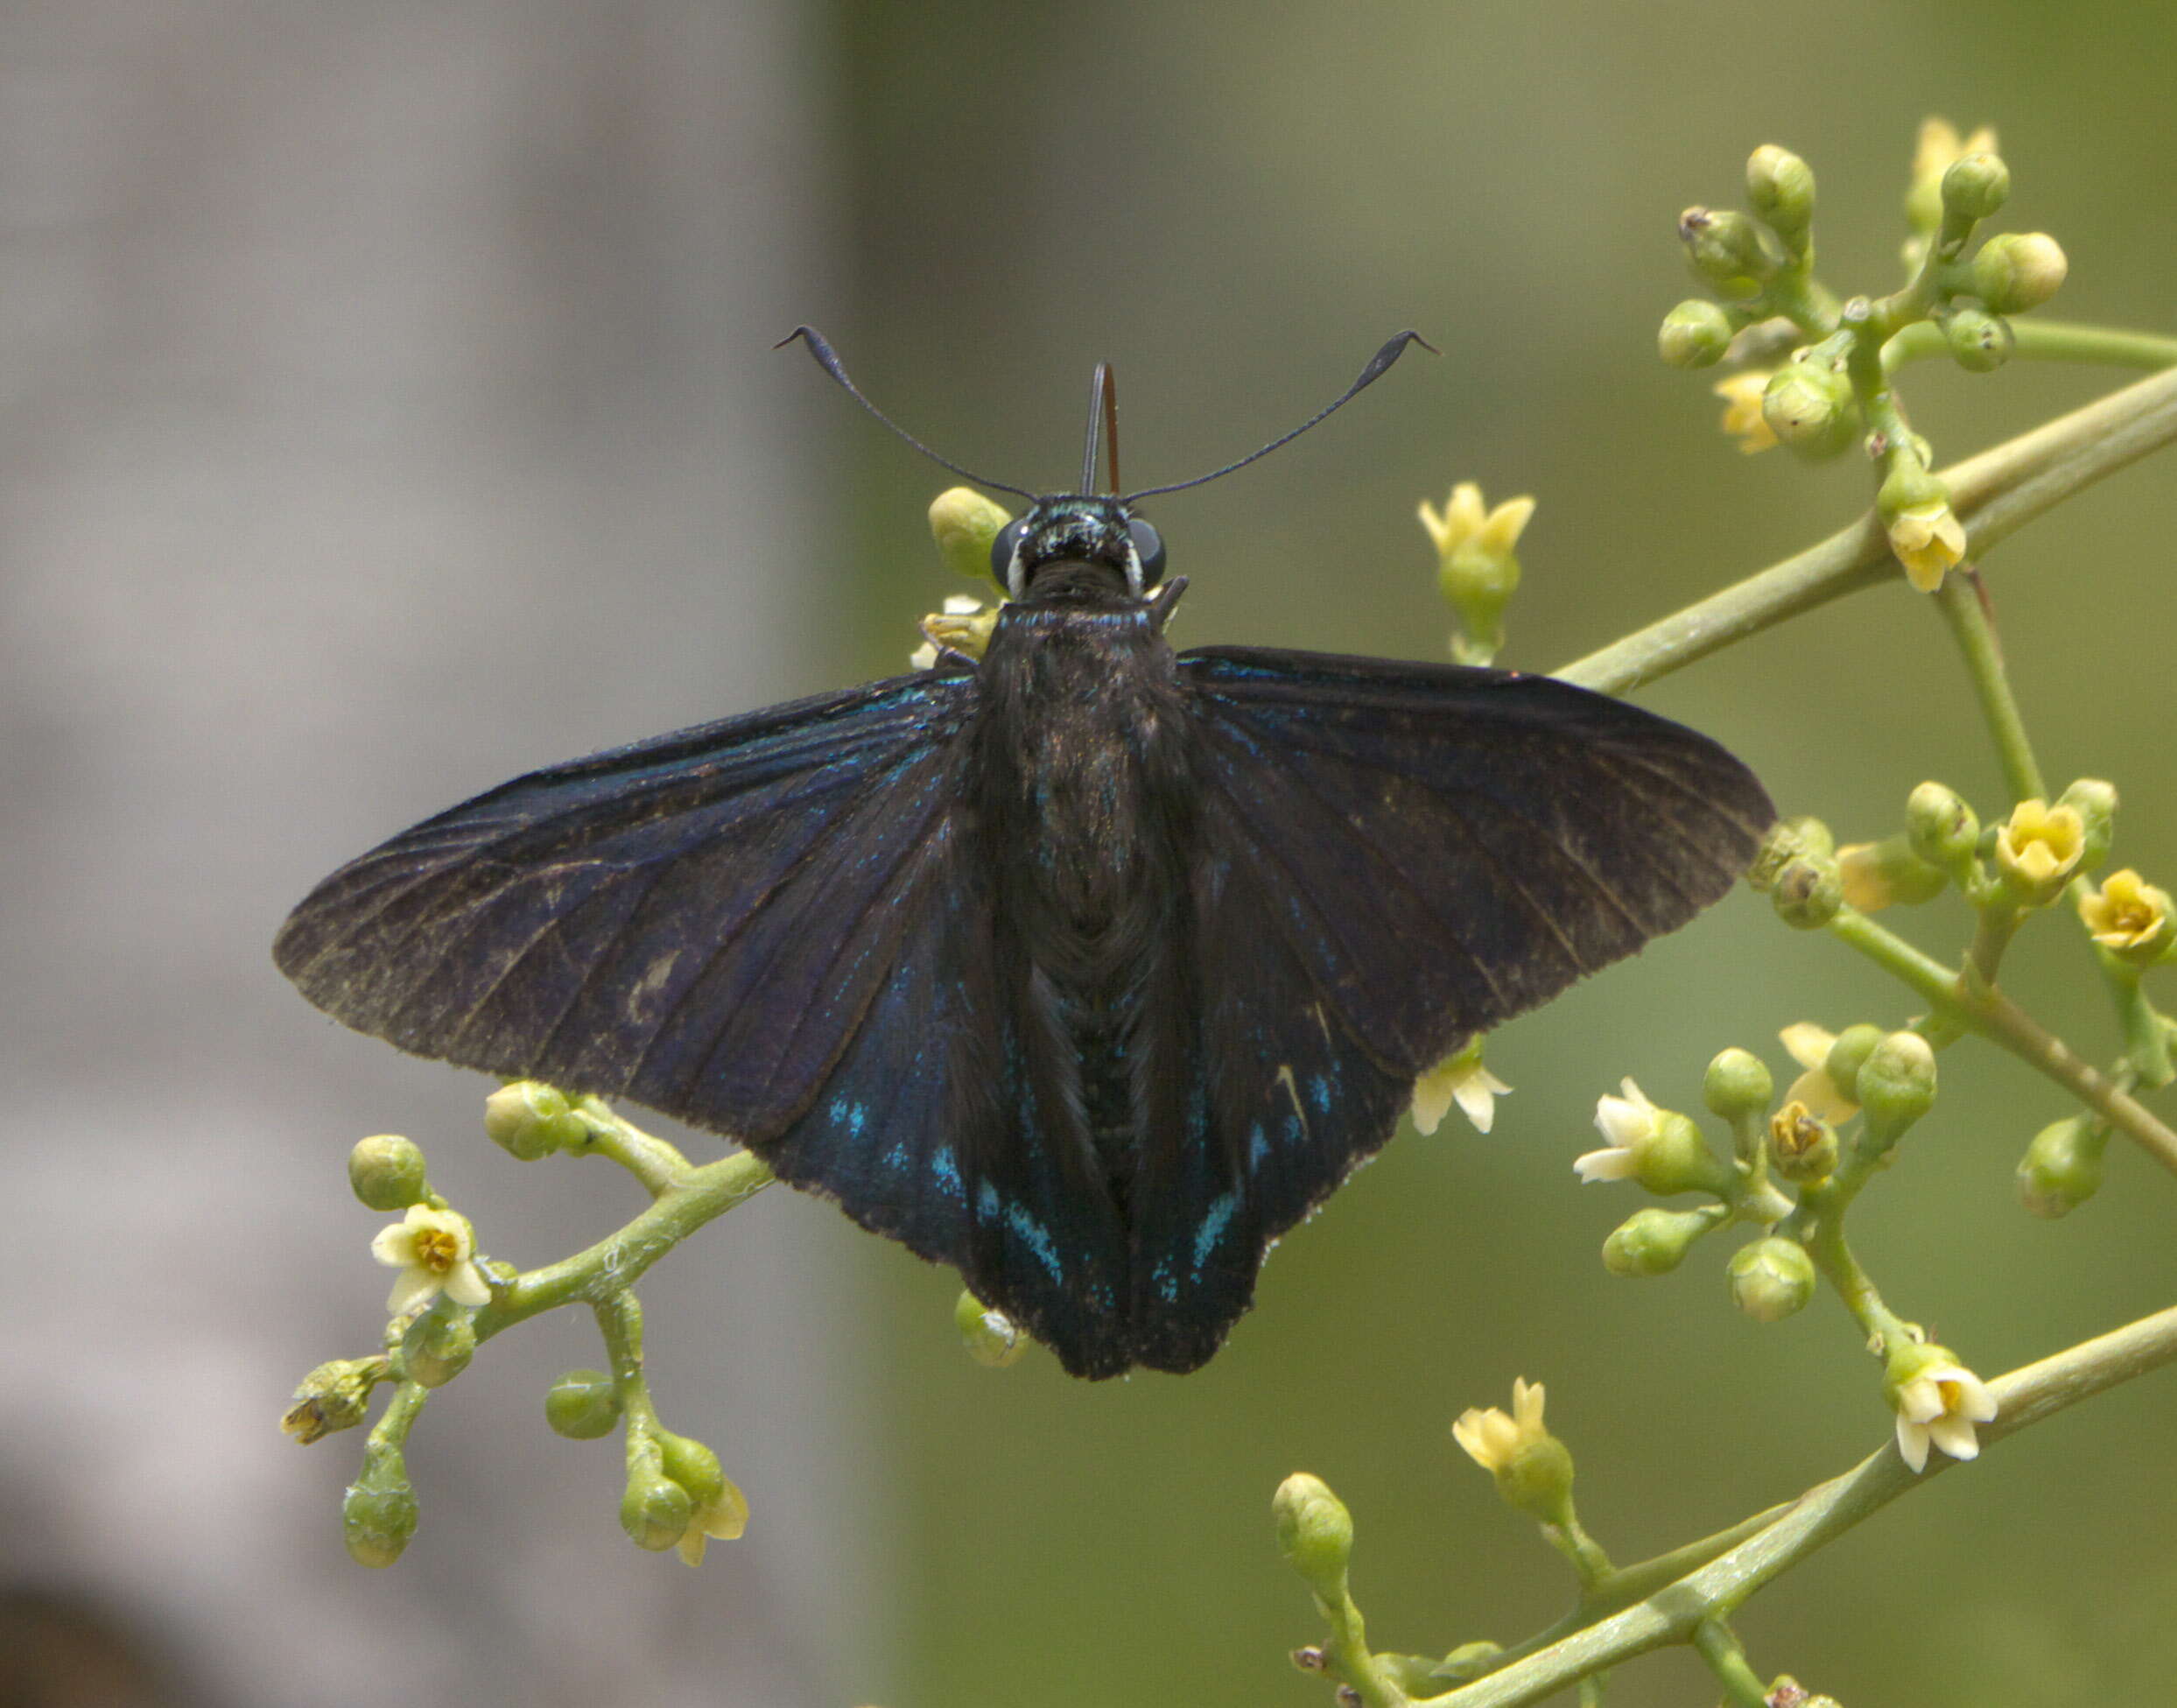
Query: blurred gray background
{"type": "Point", "coordinates": [389, 408]}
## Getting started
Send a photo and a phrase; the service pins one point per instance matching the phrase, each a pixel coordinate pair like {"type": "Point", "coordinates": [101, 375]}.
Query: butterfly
{"type": "Point", "coordinates": [1085, 967]}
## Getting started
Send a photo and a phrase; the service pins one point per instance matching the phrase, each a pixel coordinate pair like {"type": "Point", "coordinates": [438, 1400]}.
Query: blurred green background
{"type": "Point", "coordinates": [1234, 203]}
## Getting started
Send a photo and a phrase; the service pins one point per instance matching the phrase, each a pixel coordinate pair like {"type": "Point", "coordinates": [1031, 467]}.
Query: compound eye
{"type": "Point", "coordinates": [1148, 546]}
{"type": "Point", "coordinates": [1002, 550]}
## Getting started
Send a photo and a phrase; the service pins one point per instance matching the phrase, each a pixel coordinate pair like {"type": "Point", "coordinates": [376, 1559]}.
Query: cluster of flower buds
{"type": "Point", "coordinates": [1813, 375]}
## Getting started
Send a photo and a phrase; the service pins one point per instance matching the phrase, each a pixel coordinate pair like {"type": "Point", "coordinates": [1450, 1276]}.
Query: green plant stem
{"type": "Point", "coordinates": [658, 1165]}
{"type": "Point", "coordinates": [616, 1262]}
{"type": "Point", "coordinates": [1674, 1612]}
{"type": "Point", "coordinates": [1994, 494]}
{"type": "Point", "coordinates": [2046, 341]}
{"type": "Point", "coordinates": [1964, 602]}
{"type": "Point", "coordinates": [1728, 1661]}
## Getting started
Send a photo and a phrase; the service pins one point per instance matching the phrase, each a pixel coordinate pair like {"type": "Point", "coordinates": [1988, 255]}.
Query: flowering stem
{"type": "Point", "coordinates": [1964, 601]}
{"type": "Point", "coordinates": [1674, 1612]}
{"type": "Point", "coordinates": [658, 1165]}
{"type": "Point", "coordinates": [398, 1418]}
{"type": "Point", "coordinates": [2046, 341]}
{"type": "Point", "coordinates": [1728, 1661]}
{"type": "Point", "coordinates": [1994, 495]}
{"type": "Point", "coordinates": [616, 1262]}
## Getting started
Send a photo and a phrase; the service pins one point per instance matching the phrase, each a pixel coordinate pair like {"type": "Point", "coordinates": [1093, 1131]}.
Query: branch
{"type": "Point", "coordinates": [1994, 494]}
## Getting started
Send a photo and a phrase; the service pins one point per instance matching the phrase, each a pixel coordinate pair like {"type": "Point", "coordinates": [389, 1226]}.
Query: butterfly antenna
{"type": "Point", "coordinates": [1378, 365]}
{"type": "Point", "coordinates": [1103, 425]}
{"type": "Point", "coordinates": [827, 358]}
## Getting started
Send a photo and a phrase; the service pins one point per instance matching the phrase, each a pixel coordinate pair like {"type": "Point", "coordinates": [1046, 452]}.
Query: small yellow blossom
{"type": "Point", "coordinates": [1627, 1123]}
{"type": "Point", "coordinates": [1928, 540]}
{"type": "Point", "coordinates": [2041, 846]}
{"type": "Point", "coordinates": [1465, 518]}
{"type": "Point", "coordinates": [435, 1251]}
{"type": "Point", "coordinates": [1491, 1438]}
{"type": "Point", "coordinates": [1809, 1045]}
{"type": "Point", "coordinates": [1867, 886]}
{"type": "Point", "coordinates": [1461, 1079]}
{"type": "Point", "coordinates": [721, 1520]}
{"type": "Point", "coordinates": [2127, 916]}
{"type": "Point", "coordinates": [1937, 1400]}
{"type": "Point", "coordinates": [1743, 418]}
{"type": "Point", "coordinates": [962, 625]}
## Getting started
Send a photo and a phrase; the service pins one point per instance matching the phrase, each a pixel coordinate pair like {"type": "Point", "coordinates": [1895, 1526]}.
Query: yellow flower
{"type": "Point", "coordinates": [2039, 846]}
{"type": "Point", "coordinates": [962, 625]}
{"type": "Point", "coordinates": [2127, 916]}
{"type": "Point", "coordinates": [1809, 1045]}
{"type": "Point", "coordinates": [1937, 1400]}
{"type": "Point", "coordinates": [435, 1251]}
{"type": "Point", "coordinates": [1743, 418]}
{"type": "Point", "coordinates": [1493, 1439]}
{"type": "Point", "coordinates": [1462, 1080]}
{"type": "Point", "coordinates": [1928, 540]}
{"type": "Point", "coordinates": [1465, 518]}
{"type": "Point", "coordinates": [721, 1520]}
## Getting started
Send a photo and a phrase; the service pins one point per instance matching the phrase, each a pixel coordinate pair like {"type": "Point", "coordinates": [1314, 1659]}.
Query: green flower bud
{"type": "Point", "coordinates": [438, 1345]}
{"type": "Point", "coordinates": [1808, 893]}
{"type": "Point", "coordinates": [2063, 1167]}
{"type": "Point", "coordinates": [528, 1119]}
{"type": "Point", "coordinates": [1909, 487]}
{"type": "Point", "coordinates": [1788, 840]}
{"type": "Point", "coordinates": [1771, 1279]}
{"type": "Point", "coordinates": [1695, 335]}
{"type": "Point", "coordinates": [1848, 1055]}
{"type": "Point", "coordinates": [1880, 875]}
{"type": "Point", "coordinates": [582, 1405]}
{"type": "Point", "coordinates": [1941, 828]}
{"type": "Point", "coordinates": [1802, 1146]}
{"type": "Point", "coordinates": [992, 1337]}
{"type": "Point", "coordinates": [964, 523]}
{"type": "Point", "coordinates": [1979, 341]}
{"type": "Point", "coordinates": [1729, 250]}
{"type": "Point", "coordinates": [1975, 187]}
{"type": "Point", "coordinates": [1808, 406]}
{"type": "Point", "coordinates": [2095, 804]}
{"type": "Point", "coordinates": [2018, 271]}
{"type": "Point", "coordinates": [1653, 1242]}
{"type": "Point", "coordinates": [386, 1171]}
{"type": "Point", "coordinates": [378, 1514]}
{"type": "Point", "coordinates": [1315, 1533]}
{"type": "Point", "coordinates": [1737, 1085]}
{"type": "Point", "coordinates": [335, 1395]}
{"type": "Point", "coordinates": [693, 1466]}
{"type": "Point", "coordinates": [655, 1511]}
{"type": "Point", "coordinates": [1780, 188]}
{"type": "Point", "coordinates": [1896, 1085]}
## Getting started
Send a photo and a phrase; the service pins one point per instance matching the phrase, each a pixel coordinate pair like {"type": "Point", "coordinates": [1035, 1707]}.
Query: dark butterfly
{"type": "Point", "coordinates": [1086, 967]}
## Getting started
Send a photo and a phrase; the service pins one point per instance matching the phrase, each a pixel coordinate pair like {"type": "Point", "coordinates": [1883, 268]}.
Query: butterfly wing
{"type": "Point", "coordinates": [1394, 857]}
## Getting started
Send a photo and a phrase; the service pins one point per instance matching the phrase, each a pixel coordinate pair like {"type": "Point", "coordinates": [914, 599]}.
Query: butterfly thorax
{"type": "Point", "coordinates": [1085, 800]}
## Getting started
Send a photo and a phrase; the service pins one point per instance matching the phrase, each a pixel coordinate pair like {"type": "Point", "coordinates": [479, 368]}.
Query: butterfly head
{"type": "Point", "coordinates": [1077, 544]}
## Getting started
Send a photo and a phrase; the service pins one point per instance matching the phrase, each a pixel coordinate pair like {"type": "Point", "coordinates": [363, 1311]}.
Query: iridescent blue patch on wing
{"type": "Point", "coordinates": [1214, 1222]}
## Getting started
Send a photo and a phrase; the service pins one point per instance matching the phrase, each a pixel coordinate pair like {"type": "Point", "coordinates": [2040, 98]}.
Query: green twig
{"type": "Point", "coordinates": [1994, 494]}
{"type": "Point", "coordinates": [2045, 340]}
{"type": "Point", "coordinates": [1672, 1613]}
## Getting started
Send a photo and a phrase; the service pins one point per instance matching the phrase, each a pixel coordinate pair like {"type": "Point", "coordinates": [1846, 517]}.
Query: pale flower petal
{"type": "Point", "coordinates": [1808, 1044]}
{"type": "Point", "coordinates": [1458, 1079]}
{"type": "Point", "coordinates": [1626, 1119]}
{"type": "Point", "coordinates": [465, 1284]}
{"type": "Point", "coordinates": [1911, 1444]}
{"type": "Point", "coordinates": [1616, 1163]}
{"type": "Point", "coordinates": [412, 1289]}
{"type": "Point", "coordinates": [1476, 1094]}
{"type": "Point", "coordinates": [1954, 1436]}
